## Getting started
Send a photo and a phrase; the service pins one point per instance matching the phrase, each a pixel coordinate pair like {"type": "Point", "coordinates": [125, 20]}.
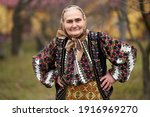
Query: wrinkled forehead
{"type": "Point", "coordinates": [72, 14]}
{"type": "Point", "coordinates": [72, 11]}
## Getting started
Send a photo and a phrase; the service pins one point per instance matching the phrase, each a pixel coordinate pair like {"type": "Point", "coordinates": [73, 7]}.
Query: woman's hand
{"type": "Point", "coordinates": [107, 81]}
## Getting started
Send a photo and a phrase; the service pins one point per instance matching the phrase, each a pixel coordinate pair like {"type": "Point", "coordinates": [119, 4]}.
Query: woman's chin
{"type": "Point", "coordinates": [75, 35]}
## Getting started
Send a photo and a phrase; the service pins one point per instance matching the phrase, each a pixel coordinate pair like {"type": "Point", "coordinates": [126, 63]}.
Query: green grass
{"type": "Point", "coordinates": [18, 82]}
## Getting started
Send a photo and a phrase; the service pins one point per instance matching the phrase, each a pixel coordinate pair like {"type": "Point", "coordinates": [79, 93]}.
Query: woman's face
{"type": "Point", "coordinates": [74, 23]}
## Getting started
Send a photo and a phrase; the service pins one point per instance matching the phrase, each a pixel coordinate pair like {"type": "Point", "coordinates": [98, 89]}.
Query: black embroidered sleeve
{"type": "Point", "coordinates": [121, 55]}
{"type": "Point", "coordinates": [44, 65]}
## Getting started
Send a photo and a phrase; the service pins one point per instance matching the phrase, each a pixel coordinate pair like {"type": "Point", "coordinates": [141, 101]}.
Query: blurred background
{"type": "Point", "coordinates": [26, 26]}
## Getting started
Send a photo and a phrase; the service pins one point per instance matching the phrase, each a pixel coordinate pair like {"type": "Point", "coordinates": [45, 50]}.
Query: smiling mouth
{"type": "Point", "coordinates": [74, 29]}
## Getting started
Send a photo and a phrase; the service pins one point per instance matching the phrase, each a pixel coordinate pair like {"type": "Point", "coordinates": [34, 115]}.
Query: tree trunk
{"type": "Point", "coordinates": [2, 55]}
{"type": "Point", "coordinates": [146, 77]}
{"type": "Point", "coordinates": [40, 44]}
{"type": "Point", "coordinates": [122, 20]}
{"type": "Point", "coordinates": [16, 34]}
{"type": "Point", "coordinates": [18, 26]}
{"type": "Point", "coordinates": [146, 72]}
{"type": "Point", "coordinates": [146, 63]}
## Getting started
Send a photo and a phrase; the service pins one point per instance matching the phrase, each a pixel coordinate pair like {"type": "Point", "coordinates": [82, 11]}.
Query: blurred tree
{"type": "Point", "coordinates": [123, 8]}
{"type": "Point", "coordinates": [145, 50]}
{"type": "Point", "coordinates": [2, 55]}
{"type": "Point", "coordinates": [18, 23]}
{"type": "Point", "coordinates": [122, 21]}
{"type": "Point", "coordinates": [120, 9]}
{"type": "Point", "coordinates": [3, 29]}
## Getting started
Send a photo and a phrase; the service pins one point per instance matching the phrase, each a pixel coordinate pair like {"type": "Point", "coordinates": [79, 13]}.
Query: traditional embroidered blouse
{"type": "Point", "coordinates": [78, 72]}
{"type": "Point", "coordinates": [120, 54]}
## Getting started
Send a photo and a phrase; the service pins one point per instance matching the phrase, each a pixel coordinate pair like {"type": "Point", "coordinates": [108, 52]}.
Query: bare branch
{"type": "Point", "coordinates": [136, 6]}
{"type": "Point", "coordinates": [131, 35]}
{"type": "Point", "coordinates": [147, 24]}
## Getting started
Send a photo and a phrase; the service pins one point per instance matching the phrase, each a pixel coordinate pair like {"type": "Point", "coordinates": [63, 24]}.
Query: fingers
{"type": "Point", "coordinates": [103, 78]}
{"type": "Point", "coordinates": [106, 84]}
{"type": "Point", "coordinates": [107, 81]}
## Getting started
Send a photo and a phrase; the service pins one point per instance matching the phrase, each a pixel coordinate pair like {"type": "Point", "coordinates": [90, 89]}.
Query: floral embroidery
{"type": "Point", "coordinates": [47, 63]}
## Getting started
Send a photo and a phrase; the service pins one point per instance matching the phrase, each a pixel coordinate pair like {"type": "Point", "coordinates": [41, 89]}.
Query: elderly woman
{"type": "Point", "coordinates": [76, 60]}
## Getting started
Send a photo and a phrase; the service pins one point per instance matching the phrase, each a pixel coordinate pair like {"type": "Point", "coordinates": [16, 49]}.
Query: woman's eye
{"type": "Point", "coordinates": [78, 20]}
{"type": "Point", "coordinates": [69, 21]}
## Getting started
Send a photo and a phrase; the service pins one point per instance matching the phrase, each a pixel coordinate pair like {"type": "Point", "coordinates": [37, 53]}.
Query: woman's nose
{"type": "Point", "coordinates": [74, 24]}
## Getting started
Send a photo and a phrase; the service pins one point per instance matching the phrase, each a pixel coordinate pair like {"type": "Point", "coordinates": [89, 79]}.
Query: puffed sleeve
{"type": "Point", "coordinates": [122, 56]}
{"type": "Point", "coordinates": [44, 65]}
